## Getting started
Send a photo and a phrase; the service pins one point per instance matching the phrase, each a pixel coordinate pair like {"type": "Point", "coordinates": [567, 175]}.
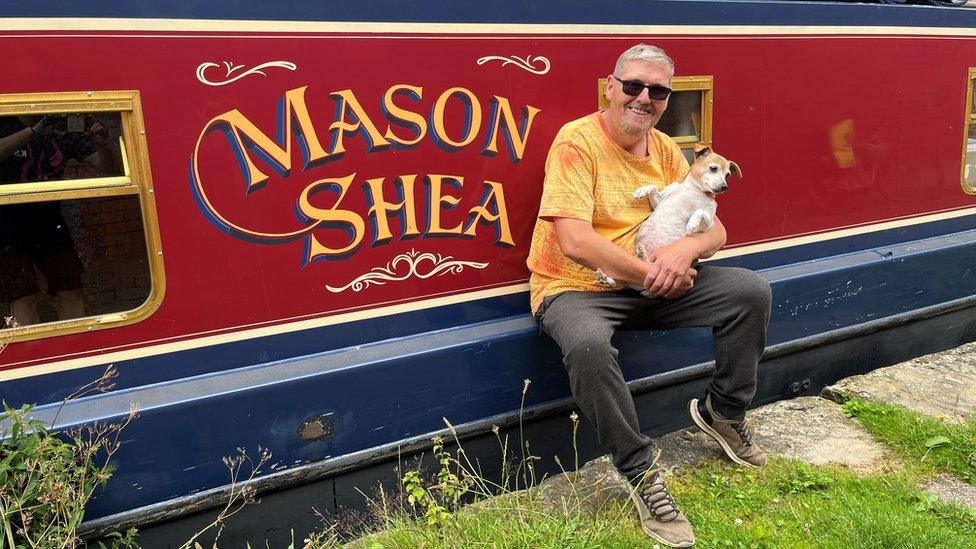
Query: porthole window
{"type": "Point", "coordinates": [688, 118]}
{"type": "Point", "coordinates": [79, 245]}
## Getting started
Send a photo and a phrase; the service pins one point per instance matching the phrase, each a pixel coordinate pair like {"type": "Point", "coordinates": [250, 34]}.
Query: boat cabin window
{"type": "Point", "coordinates": [79, 248]}
{"type": "Point", "coordinates": [688, 118]}
{"type": "Point", "coordinates": [969, 138]}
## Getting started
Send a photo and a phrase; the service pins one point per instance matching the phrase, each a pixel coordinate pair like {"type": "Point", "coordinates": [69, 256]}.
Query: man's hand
{"type": "Point", "coordinates": [685, 284]}
{"type": "Point", "coordinates": [670, 274]}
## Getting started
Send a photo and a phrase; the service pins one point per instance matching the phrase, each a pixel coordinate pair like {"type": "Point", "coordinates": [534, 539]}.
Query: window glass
{"type": "Point", "coordinates": [79, 243]}
{"type": "Point", "coordinates": [683, 115]}
{"type": "Point", "coordinates": [968, 175]}
{"type": "Point", "coordinates": [969, 169]}
{"type": "Point", "coordinates": [72, 258]}
{"type": "Point", "coordinates": [55, 147]}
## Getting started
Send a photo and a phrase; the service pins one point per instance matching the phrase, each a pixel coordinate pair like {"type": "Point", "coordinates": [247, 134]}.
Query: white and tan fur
{"type": "Point", "coordinates": [682, 208]}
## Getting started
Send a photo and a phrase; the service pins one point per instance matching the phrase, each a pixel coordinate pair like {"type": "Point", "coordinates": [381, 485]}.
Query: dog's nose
{"type": "Point", "coordinates": [721, 188]}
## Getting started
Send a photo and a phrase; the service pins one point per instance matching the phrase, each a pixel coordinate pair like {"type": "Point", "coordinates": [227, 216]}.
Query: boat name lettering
{"type": "Point", "coordinates": [256, 152]}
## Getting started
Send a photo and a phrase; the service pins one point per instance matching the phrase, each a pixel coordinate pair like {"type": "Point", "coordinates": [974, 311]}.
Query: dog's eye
{"type": "Point", "coordinates": [714, 169]}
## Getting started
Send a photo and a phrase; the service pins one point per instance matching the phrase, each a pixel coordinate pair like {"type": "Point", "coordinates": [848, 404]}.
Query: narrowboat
{"type": "Point", "coordinates": [303, 226]}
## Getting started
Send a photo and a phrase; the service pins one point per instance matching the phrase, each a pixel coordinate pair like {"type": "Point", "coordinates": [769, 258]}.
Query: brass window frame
{"type": "Point", "coordinates": [136, 180]}
{"type": "Point", "coordinates": [702, 83]}
{"type": "Point", "coordinates": [968, 124]}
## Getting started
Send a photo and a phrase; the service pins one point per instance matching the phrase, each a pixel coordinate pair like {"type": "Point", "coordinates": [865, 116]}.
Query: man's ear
{"type": "Point", "coordinates": [734, 168]}
{"type": "Point", "coordinates": [606, 88]}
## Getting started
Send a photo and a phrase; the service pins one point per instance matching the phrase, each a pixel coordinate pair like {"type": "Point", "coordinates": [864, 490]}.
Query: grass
{"type": "Point", "coordinates": [785, 504]}
{"type": "Point", "coordinates": [792, 504]}
{"type": "Point", "coordinates": [514, 522]}
{"type": "Point", "coordinates": [926, 442]}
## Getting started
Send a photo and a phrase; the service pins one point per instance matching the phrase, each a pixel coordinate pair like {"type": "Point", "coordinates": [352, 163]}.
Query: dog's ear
{"type": "Point", "coordinates": [701, 150]}
{"type": "Point", "coordinates": [734, 168]}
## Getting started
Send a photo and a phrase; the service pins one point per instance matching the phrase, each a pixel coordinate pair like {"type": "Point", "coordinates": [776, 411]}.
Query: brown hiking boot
{"type": "Point", "coordinates": [660, 517]}
{"type": "Point", "coordinates": [733, 436]}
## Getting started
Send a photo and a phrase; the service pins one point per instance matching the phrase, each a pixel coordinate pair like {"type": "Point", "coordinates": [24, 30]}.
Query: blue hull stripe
{"type": "Point", "coordinates": [394, 389]}
{"type": "Point", "coordinates": [208, 360]}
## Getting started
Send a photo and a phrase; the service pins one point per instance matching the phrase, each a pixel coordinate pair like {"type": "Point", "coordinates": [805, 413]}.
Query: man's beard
{"type": "Point", "coordinates": [636, 128]}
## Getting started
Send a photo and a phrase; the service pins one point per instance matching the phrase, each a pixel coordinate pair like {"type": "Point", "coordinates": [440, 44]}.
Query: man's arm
{"type": "Point", "coordinates": [671, 261]}
{"type": "Point", "coordinates": [579, 242]}
{"type": "Point", "coordinates": [711, 240]}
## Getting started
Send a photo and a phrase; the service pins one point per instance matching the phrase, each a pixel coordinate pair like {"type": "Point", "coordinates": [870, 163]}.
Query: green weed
{"type": "Point", "coordinates": [47, 477]}
{"type": "Point", "coordinates": [929, 443]}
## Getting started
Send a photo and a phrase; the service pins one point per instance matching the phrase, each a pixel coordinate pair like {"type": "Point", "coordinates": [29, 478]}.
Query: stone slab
{"type": "Point", "coordinates": [810, 429]}
{"type": "Point", "coordinates": [583, 493]}
{"type": "Point", "coordinates": [686, 448]}
{"type": "Point", "coordinates": [938, 385]}
{"type": "Point", "coordinates": [950, 489]}
{"type": "Point", "coordinates": [816, 431]}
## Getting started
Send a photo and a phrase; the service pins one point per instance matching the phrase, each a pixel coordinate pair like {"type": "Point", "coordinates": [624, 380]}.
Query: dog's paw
{"type": "Point", "coordinates": [602, 278]}
{"type": "Point", "coordinates": [699, 222]}
{"type": "Point", "coordinates": [645, 191]}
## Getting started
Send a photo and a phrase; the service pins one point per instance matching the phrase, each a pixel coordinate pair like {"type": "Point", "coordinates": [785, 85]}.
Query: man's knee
{"type": "Point", "coordinates": [589, 355]}
{"type": "Point", "coordinates": [752, 290]}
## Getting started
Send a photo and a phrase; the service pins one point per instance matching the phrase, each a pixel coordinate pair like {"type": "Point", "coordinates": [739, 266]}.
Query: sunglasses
{"type": "Point", "coordinates": [634, 88]}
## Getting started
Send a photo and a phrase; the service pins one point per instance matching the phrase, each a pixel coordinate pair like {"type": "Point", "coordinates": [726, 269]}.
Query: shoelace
{"type": "Point", "coordinates": [743, 431]}
{"type": "Point", "coordinates": [658, 499]}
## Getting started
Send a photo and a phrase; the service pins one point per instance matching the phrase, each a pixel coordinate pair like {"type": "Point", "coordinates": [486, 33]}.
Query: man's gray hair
{"type": "Point", "coordinates": [643, 52]}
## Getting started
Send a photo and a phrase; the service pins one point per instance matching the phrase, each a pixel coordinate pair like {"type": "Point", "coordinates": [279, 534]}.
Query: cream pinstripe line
{"type": "Point", "coordinates": [27, 24]}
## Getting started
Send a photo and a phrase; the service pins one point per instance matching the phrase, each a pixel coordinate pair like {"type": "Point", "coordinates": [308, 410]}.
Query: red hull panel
{"type": "Point", "coordinates": [831, 131]}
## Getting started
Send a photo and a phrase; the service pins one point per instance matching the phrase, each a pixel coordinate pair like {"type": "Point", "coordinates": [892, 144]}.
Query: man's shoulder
{"type": "Point", "coordinates": [580, 130]}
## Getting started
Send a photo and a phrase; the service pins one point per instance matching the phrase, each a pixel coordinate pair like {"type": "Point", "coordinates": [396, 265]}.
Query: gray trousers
{"type": "Point", "coordinates": [734, 302]}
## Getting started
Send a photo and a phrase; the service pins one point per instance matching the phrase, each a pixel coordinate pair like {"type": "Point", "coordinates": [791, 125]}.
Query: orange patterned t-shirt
{"type": "Point", "coordinates": [590, 177]}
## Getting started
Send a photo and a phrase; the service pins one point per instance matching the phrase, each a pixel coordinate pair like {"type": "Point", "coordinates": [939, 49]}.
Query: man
{"type": "Point", "coordinates": [588, 220]}
{"type": "Point", "coordinates": [34, 235]}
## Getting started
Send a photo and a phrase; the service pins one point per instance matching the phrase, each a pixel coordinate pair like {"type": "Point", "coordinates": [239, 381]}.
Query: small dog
{"type": "Point", "coordinates": [683, 207]}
